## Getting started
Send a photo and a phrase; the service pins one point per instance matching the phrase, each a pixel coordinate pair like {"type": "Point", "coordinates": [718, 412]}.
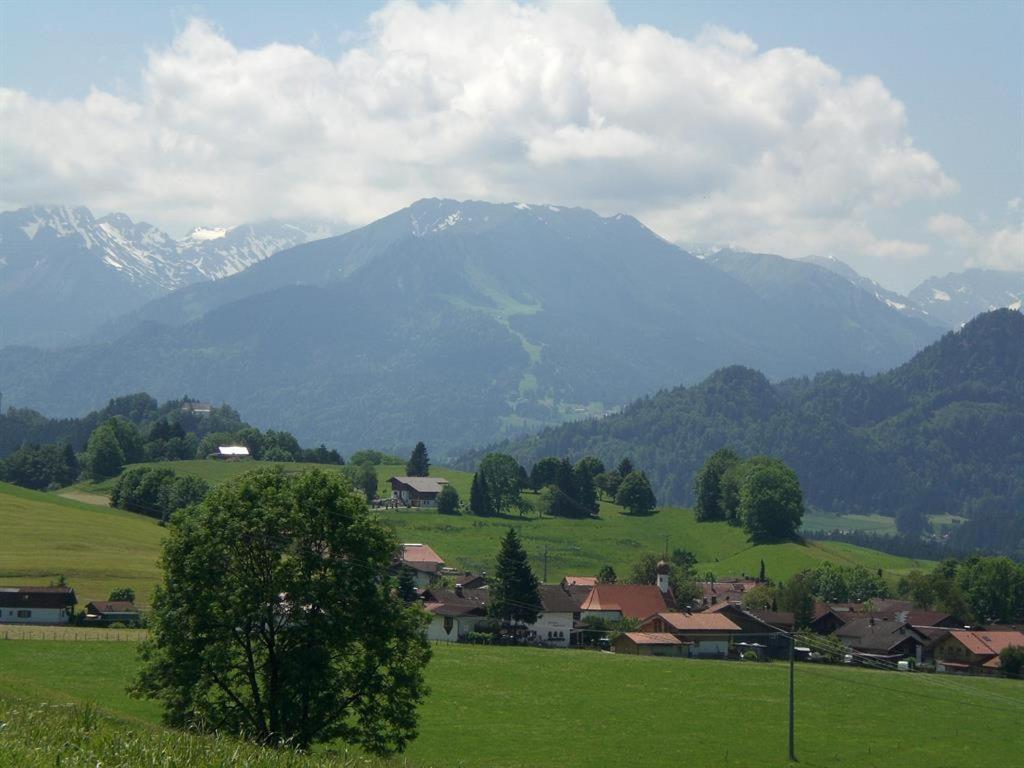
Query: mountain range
{"type": "Point", "coordinates": [940, 434]}
{"type": "Point", "coordinates": [460, 322]}
{"type": "Point", "coordinates": [64, 272]}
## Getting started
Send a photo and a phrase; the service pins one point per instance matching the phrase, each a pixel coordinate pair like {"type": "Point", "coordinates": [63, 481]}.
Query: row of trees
{"type": "Point", "coordinates": [157, 491]}
{"type": "Point", "coordinates": [761, 494]}
{"type": "Point", "coordinates": [564, 489]}
{"type": "Point", "coordinates": [41, 466]}
{"type": "Point", "coordinates": [976, 589]}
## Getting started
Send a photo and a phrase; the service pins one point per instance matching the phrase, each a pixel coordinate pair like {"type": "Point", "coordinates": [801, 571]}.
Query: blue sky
{"type": "Point", "coordinates": [957, 69]}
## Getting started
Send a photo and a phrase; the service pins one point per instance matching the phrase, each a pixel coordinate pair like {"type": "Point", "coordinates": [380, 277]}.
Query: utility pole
{"type": "Point", "coordinates": [545, 565]}
{"type": "Point", "coordinates": [792, 657]}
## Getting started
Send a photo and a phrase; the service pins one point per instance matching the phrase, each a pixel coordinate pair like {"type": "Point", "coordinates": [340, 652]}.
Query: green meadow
{"type": "Point", "coordinates": [97, 548]}
{"type": "Point", "coordinates": [530, 707]}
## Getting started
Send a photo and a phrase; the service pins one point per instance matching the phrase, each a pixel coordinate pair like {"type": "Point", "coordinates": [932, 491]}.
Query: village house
{"type": "Point", "coordinates": [614, 602]}
{"type": "Point", "coordinates": [192, 406]}
{"type": "Point", "coordinates": [760, 633]}
{"type": "Point", "coordinates": [455, 613]}
{"type": "Point", "coordinates": [37, 605]}
{"type": "Point", "coordinates": [109, 611]}
{"type": "Point", "coordinates": [724, 591]}
{"type": "Point", "coordinates": [707, 635]}
{"type": "Point", "coordinates": [884, 639]}
{"type": "Point", "coordinates": [649, 644]}
{"type": "Point", "coordinates": [416, 491]}
{"type": "Point", "coordinates": [554, 625]}
{"type": "Point", "coordinates": [579, 581]}
{"type": "Point", "coordinates": [423, 561]}
{"type": "Point", "coordinates": [966, 650]}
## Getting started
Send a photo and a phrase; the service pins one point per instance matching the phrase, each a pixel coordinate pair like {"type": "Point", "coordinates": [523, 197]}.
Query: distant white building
{"type": "Point", "coordinates": [36, 605]}
{"type": "Point", "coordinates": [231, 452]}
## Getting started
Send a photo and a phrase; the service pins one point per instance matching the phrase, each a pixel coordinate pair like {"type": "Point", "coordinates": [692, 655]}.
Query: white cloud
{"type": "Point", "coordinates": [1001, 248]}
{"type": "Point", "coordinates": [707, 139]}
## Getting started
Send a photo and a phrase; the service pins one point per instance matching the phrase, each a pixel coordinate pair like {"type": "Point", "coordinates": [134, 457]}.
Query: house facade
{"type": "Point", "coordinates": [554, 623]}
{"type": "Point", "coordinates": [422, 560]}
{"type": "Point", "coordinates": [416, 491]}
{"type": "Point", "coordinates": [973, 651]}
{"type": "Point", "coordinates": [110, 611]}
{"type": "Point", "coordinates": [885, 639]}
{"type": "Point", "coordinates": [455, 613]}
{"type": "Point", "coordinates": [706, 635]}
{"type": "Point", "coordinates": [37, 605]}
{"type": "Point", "coordinates": [649, 644]}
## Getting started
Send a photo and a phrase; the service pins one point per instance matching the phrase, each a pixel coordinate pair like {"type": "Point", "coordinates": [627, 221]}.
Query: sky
{"type": "Point", "coordinates": [889, 135]}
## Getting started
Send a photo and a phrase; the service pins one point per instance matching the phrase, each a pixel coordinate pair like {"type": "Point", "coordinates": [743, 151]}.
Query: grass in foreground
{"type": "Point", "coordinates": [95, 548]}
{"type": "Point", "coordinates": [528, 707]}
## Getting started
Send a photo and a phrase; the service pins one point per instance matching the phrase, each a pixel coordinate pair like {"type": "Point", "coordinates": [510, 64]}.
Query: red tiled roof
{"type": "Point", "coordinates": [698, 622]}
{"type": "Point", "coordinates": [580, 581]}
{"type": "Point", "coordinates": [420, 553]}
{"type": "Point", "coordinates": [987, 643]}
{"type": "Point", "coordinates": [653, 638]}
{"type": "Point", "coordinates": [637, 601]}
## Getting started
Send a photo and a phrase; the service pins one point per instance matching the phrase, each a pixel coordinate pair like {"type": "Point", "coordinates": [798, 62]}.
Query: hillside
{"type": "Point", "coordinates": [469, 320]}
{"type": "Point", "coordinates": [96, 549]}
{"type": "Point", "coordinates": [581, 547]}
{"type": "Point", "coordinates": [686, 710]}
{"type": "Point", "coordinates": [941, 434]}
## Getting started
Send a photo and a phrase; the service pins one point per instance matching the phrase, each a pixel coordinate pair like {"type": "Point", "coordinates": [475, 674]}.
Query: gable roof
{"type": "Point", "coordinates": [445, 602]}
{"type": "Point", "coordinates": [421, 484]}
{"type": "Point", "coordinates": [653, 638]}
{"type": "Point", "coordinates": [37, 597]}
{"type": "Point", "coordinates": [878, 634]}
{"type": "Point", "coordinates": [420, 553]}
{"type": "Point", "coordinates": [987, 643]}
{"type": "Point", "coordinates": [112, 606]}
{"type": "Point", "coordinates": [555, 598]}
{"type": "Point", "coordinates": [780, 619]}
{"type": "Point", "coordinates": [232, 450]}
{"type": "Point", "coordinates": [637, 601]}
{"type": "Point", "coordinates": [698, 622]}
{"type": "Point", "coordinates": [580, 581]}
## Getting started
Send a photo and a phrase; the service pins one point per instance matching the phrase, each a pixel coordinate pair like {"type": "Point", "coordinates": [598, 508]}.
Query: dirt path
{"type": "Point", "coordinates": [86, 498]}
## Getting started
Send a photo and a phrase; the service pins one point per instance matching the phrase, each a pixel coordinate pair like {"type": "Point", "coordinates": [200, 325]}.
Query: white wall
{"type": "Point", "coordinates": [461, 625]}
{"type": "Point", "coordinates": [553, 623]}
{"type": "Point", "coordinates": [37, 616]}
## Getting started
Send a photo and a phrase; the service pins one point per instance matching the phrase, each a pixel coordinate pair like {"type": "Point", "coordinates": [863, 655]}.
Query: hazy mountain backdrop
{"type": "Point", "coordinates": [64, 272]}
{"type": "Point", "coordinates": [459, 322]}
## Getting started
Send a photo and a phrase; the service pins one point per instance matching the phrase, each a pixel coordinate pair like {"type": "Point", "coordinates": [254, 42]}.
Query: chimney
{"type": "Point", "coordinates": [458, 590]}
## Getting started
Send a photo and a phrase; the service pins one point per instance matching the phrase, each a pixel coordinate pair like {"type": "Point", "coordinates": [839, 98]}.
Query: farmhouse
{"type": "Point", "coordinates": [455, 613]}
{"type": "Point", "coordinates": [579, 581]}
{"type": "Point", "coordinates": [425, 563]}
{"type": "Point", "coordinates": [560, 607]}
{"type": "Point", "coordinates": [759, 629]}
{"type": "Point", "coordinates": [887, 639]}
{"type": "Point", "coordinates": [36, 605]}
{"type": "Point", "coordinates": [649, 644]}
{"type": "Point", "coordinates": [230, 452]}
{"type": "Point", "coordinates": [109, 611]}
{"type": "Point", "coordinates": [192, 406]}
{"type": "Point", "coordinates": [416, 491]}
{"type": "Point", "coordinates": [724, 591]}
{"type": "Point", "coordinates": [617, 601]}
{"type": "Point", "coordinates": [965, 650]}
{"type": "Point", "coordinates": [708, 635]}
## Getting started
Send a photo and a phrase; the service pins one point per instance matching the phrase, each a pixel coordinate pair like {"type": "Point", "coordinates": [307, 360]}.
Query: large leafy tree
{"type": "Point", "coordinates": [635, 494]}
{"type": "Point", "coordinates": [707, 485]}
{"type": "Point", "coordinates": [419, 462]}
{"type": "Point", "coordinates": [277, 619]}
{"type": "Point", "coordinates": [501, 473]}
{"type": "Point", "coordinates": [514, 598]}
{"type": "Point", "coordinates": [103, 455]}
{"type": "Point", "coordinates": [448, 501]}
{"type": "Point", "coordinates": [771, 502]}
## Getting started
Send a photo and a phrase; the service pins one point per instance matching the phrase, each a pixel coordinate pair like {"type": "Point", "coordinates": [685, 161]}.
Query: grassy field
{"type": "Point", "coordinates": [95, 548]}
{"type": "Point", "coordinates": [817, 520]}
{"type": "Point", "coordinates": [529, 707]}
{"type": "Point", "coordinates": [98, 548]}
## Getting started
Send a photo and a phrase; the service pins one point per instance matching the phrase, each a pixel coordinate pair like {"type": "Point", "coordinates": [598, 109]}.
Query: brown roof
{"type": "Point", "coordinates": [653, 638]}
{"type": "Point", "coordinates": [421, 484]}
{"type": "Point", "coordinates": [637, 601]}
{"type": "Point", "coordinates": [444, 602]}
{"type": "Point", "coordinates": [987, 643]}
{"type": "Point", "coordinates": [928, 618]}
{"type": "Point", "coordinates": [698, 622]}
{"type": "Point", "coordinates": [37, 597]}
{"type": "Point", "coordinates": [420, 553]}
{"type": "Point", "coordinates": [555, 598]}
{"type": "Point", "coordinates": [112, 606]}
{"type": "Point", "coordinates": [877, 634]}
{"type": "Point", "coordinates": [582, 581]}
{"type": "Point", "coordinates": [776, 618]}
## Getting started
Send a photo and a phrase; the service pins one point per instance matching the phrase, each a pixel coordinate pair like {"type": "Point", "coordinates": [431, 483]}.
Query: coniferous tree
{"type": "Point", "coordinates": [707, 485]}
{"type": "Point", "coordinates": [479, 498]}
{"type": "Point", "coordinates": [761, 576]}
{"type": "Point", "coordinates": [514, 598]}
{"type": "Point", "coordinates": [625, 467]}
{"type": "Point", "coordinates": [419, 462]}
{"type": "Point", "coordinates": [407, 585]}
{"type": "Point", "coordinates": [606, 575]}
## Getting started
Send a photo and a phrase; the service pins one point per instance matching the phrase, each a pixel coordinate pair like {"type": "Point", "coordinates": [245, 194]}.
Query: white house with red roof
{"type": "Point", "coordinates": [422, 560]}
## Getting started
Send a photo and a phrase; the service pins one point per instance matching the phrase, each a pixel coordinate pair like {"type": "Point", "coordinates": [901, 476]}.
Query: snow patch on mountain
{"type": "Point", "coordinates": [940, 295]}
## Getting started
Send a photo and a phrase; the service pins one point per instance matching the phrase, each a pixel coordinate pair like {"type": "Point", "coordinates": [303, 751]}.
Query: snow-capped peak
{"type": "Point", "coordinates": [204, 234]}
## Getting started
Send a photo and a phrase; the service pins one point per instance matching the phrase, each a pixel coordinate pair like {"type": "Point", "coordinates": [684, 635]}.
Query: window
{"type": "Point", "coordinates": [24, 614]}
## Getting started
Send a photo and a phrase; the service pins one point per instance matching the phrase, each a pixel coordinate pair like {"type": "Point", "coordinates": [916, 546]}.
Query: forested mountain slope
{"type": "Point", "coordinates": [458, 322]}
{"type": "Point", "coordinates": [941, 433]}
